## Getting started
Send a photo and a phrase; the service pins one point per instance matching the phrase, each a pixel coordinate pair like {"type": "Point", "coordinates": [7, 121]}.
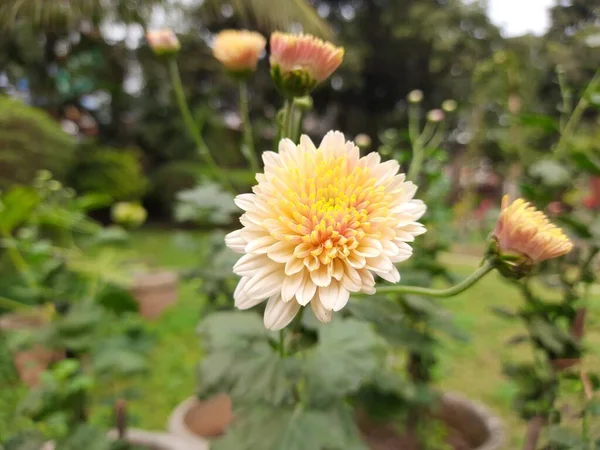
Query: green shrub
{"type": "Point", "coordinates": [111, 171]}
{"type": "Point", "coordinates": [30, 140]}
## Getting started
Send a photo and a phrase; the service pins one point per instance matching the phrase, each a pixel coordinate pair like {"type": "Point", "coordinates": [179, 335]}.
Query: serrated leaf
{"type": "Point", "coordinates": [375, 309]}
{"type": "Point", "coordinates": [264, 428]}
{"type": "Point", "coordinates": [348, 353]}
{"type": "Point", "coordinates": [241, 361]}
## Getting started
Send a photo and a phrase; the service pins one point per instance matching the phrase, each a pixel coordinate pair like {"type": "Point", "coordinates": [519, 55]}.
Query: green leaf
{"type": "Point", "coordinates": [593, 407]}
{"type": "Point", "coordinates": [16, 206]}
{"type": "Point", "coordinates": [85, 437]}
{"type": "Point", "coordinates": [375, 309]}
{"type": "Point", "coordinates": [231, 329]}
{"type": "Point", "coordinates": [265, 428]}
{"type": "Point", "coordinates": [579, 228]}
{"type": "Point", "coordinates": [207, 203]}
{"type": "Point", "coordinates": [547, 334]}
{"type": "Point", "coordinates": [27, 440]}
{"type": "Point", "coordinates": [117, 299]}
{"type": "Point", "coordinates": [348, 353]}
{"type": "Point", "coordinates": [242, 361]}
{"type": "Point", "coordinates": [551, 173]}
{"type": "Point", "coordinates": [547, 123]}
{"type": "Point", "coordinates": [561, 436]}
{"type": "Point", "coordinates": [587, 162]}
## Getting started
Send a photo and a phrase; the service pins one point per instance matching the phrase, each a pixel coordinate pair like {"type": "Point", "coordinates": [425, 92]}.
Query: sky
{"type": "Point", "coordinates": [518, 17]}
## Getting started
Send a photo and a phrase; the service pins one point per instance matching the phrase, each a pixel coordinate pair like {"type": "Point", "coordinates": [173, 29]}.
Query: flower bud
{"type": "Point", "coordinates": [239, 50]}
{"type": "Point", "coordinates": [130, 215]}
{"type": "Point", "coordinates": [449, 105]}
{"type": "Point", "coordinates": [300, 62]}
{"type": "Point", "coordinates": [415, 96]}
{"type": "Point", "coordinates": [435, 115]}
{"type": "Point", "coordinates": [524, 237]}
{"type": "Point", "coordinates": [362, 140]}
{"type": "Point", "coordinates": [163, 42]}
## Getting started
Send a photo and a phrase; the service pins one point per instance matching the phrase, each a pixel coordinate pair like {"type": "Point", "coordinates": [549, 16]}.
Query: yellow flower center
{"type": "Point", "coordinates": [328, 208]}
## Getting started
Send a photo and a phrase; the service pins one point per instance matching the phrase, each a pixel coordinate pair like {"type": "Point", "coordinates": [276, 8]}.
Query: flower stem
{"type": "Point", "coordinates": [287, 121]}
{"type": "Point", "coordinates": [418, 152]}
{"type": "Point", "coordinates": [571, 125]}
{"type": "Point", "coordinates": [248, 144]}
{"type": "Point", "coordinates": [485, 268]}
{"type": "Point", "coordinates": [191, 126]}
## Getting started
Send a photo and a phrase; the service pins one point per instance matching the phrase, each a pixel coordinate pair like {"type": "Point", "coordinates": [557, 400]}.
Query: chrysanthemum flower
{"type": "Point", "coordinates": [320, 224]}
{"type": "Point", "coordinates": [523, 231]}
{"type": "Point", "coordinates": [239, 50]}
{"type": "Point", "coordinates": [163, 42]}
{"type": "Point", "coordinates": [300, 62]}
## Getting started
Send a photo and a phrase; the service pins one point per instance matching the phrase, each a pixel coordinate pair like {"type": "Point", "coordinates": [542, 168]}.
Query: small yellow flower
{"type": "Point", "coordinates": [300, 62]}
{"type": "Point", "coordinates": [321, 222]}
{"type": "Point", "coordinates": [523, 231]}
{"type": "Point", "coordinates": [239, 50]}
{"type": "Point", "coordinates": [163, 42]}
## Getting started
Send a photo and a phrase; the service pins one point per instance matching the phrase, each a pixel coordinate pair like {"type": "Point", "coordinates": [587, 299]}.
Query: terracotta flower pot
{"type": "Point", "coordinates": [199, 421]}
{"type": "Point", "coordinates": [155, 292]}
{"type": "Point", "coordinates": [471, 426]}
{"type": "Point", "coordinates": [31, 362]}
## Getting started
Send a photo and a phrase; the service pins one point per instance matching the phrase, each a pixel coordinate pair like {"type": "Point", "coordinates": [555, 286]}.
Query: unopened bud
{"type": "Point", "coordinates": [449, 105]}
{"type": "Point", "coordinates": [415, 96]}
{"type": "Point", "coordinates": [435, 115]}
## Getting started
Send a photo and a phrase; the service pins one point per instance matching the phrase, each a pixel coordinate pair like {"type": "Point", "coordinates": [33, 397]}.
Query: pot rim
{"type": "Point", "coordinates": [492, 423]}
{"type": "Point", "coordinates": [176, 424]}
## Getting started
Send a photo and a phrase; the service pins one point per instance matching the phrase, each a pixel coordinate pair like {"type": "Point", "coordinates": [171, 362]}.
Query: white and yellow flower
{"type": "Point", "coordinates": [320, 224]}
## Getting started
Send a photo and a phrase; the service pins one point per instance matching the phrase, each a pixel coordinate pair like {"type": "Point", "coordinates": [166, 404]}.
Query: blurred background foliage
{"type": "Point", "coordinates": [88, 66]}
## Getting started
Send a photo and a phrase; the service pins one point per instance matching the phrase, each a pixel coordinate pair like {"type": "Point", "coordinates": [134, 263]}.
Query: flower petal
{"type": "Point", "coordinates": [278, 314]}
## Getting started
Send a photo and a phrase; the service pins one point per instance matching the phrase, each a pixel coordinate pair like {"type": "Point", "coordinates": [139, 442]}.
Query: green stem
{"type": "Point", "coordinates": [191, 125]}
{"type": "Point", "coordinates": [297, 127]}
{"type": "Point", "coordinates": [413, 122]}
{"type": "Point", "coordinates": [485, 268]}
{"type": "Point", "coordinates": [566, 98]}
{"type": "Point", "coordinates": [287, 121]}
{"type": "Point", "coordinates": [418, 151]}
{"type": "Point", "coordinates": [248, 144]}
{"type": "Point", "coordinates": [573, 122]}
{"type": "Point", "coordinates": [282, 343]}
